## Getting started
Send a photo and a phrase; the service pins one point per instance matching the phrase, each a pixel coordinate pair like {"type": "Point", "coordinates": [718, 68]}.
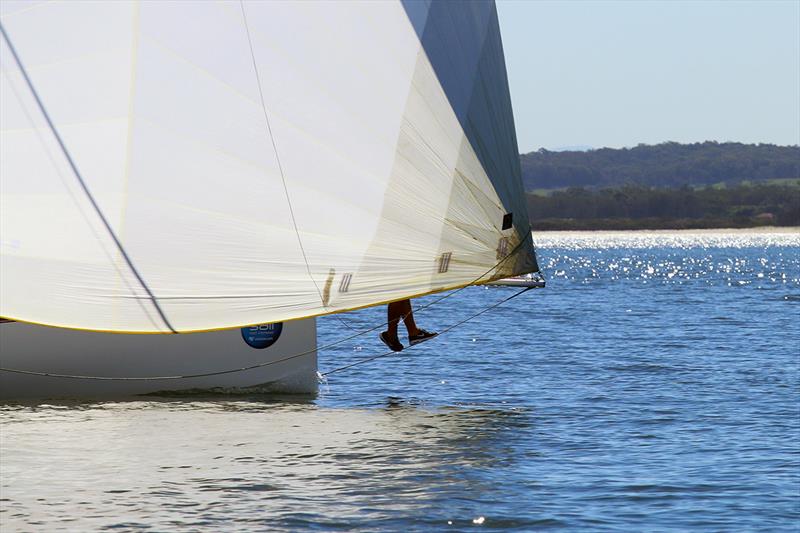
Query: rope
{"type": "Point", "coordinates": [445, 330]}
{"type": "Point", "coordinates": [82, 183]}
{"type": "Point", "coordinates": [436, 301]}
{"type": "Point", "coordinates": [288, 358]}
{"type": "Point", "coordinates": [277, 157]}
{"type": "Point", "coordinates": [262, 364]}
{"type": "Point", "coordinates": [297, 232]}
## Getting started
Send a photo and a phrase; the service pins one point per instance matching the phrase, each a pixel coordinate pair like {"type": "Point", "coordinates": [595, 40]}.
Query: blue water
{"type": "Point", "coordinates": [654, 385]}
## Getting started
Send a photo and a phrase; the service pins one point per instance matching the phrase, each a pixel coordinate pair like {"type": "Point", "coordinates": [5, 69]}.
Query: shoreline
{"type": "Point", "coordinates": [773, 230]}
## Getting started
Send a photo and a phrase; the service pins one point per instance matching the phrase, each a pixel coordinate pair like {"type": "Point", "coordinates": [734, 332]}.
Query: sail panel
{"type": "Point", "coordinates": [307, 159]}
{"type": "Point", "coordinates": [57, 264]}
{"type": "Point", "coordinates": [464, 47]}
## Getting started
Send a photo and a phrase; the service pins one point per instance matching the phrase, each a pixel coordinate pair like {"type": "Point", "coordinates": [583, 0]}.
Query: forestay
{"type": "Point", "coordinates": [254, 162]}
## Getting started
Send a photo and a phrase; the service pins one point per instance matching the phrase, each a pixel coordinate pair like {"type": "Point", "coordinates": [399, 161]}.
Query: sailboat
{"type": "Point", "coordinates": [184, 186]}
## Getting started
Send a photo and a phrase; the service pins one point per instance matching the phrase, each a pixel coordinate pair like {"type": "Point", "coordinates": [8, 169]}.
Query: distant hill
{"type": "Point", "coordinates": [641, 207]}
{"type": "Point", "coordinates": [668, 164]}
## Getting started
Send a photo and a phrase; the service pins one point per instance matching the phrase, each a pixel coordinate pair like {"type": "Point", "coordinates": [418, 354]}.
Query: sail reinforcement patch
{"type": "Point", "coordinates": [344, 285]}
{"type": "Point", "coordinates": [444, 262]}
{"type": "Point", "coordinates": [502, 247]}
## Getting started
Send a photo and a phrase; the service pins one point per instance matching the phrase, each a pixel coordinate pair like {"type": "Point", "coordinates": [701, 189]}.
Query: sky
{"type": "Point", "coordinates": [602, 73]}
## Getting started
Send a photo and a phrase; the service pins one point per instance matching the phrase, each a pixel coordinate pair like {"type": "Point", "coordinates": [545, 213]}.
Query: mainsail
{"type": "Point", "coordinates": [186, 166]}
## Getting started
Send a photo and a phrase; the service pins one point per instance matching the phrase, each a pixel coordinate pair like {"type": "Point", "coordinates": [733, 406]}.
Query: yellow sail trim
{"type": "Point", "coordinates": [181, 332]}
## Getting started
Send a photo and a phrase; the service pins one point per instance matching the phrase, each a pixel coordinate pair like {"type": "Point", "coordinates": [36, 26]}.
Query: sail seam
{"type": "Point", "coordinates": [277, 157]}
{"type": "Point", "coordinates": [82, 183]}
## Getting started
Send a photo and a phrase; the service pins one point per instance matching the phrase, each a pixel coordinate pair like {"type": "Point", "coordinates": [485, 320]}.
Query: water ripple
{"type": "Point", "coordinates": [653, 385]}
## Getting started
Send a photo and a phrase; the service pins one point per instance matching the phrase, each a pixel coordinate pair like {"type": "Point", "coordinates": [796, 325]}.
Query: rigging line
{"type": "Point", "coordinates": [268, 363]}
{"type": "Point", "coordinates": [82, 183]}
{"type": "Point", "coordinates": [344, 323]}
{"type": "Point", "coordinates": [456, 291]}
{"type": "Point", "coordinates": [437, 300]}
{"type": "Point", "coordinates": [257, 365]}
{"type": "Point", "coordinates": [445, 296]}
{"type": "Point", "coordinates": [200, 375]}
{"type": "Point", "coordinates": [445, 330]}
{"type": "Point", "coordinates": [277, 157]}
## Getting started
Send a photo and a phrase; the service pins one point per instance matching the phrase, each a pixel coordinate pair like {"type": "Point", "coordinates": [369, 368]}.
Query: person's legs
{"type": "Point", "coordinates": [401, 310]}
{"type": "Point", "coordinates": [394, 315]}
{"type": "Point", "coordinates": [397, 311]}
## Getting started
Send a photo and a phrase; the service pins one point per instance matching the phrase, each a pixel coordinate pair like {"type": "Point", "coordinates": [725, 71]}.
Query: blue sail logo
{"type": "Point", "coordinates": [263, 335]}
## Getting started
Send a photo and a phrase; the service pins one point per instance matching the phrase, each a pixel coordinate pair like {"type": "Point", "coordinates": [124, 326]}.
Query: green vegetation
{"type": "Point", "coordinates": [663, 165]}
{"type": "Point", "coordinates": [640, 207]}
{"type": "Point", "coordinates": [666, 186]}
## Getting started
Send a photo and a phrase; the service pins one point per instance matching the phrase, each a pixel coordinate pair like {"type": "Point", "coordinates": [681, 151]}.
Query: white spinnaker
{"type": "Point", "coordinates": [160, 107]}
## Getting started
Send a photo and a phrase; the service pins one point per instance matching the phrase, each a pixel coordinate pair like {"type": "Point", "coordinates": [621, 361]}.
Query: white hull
{"type": "Point", "coordinates": [62, 351]}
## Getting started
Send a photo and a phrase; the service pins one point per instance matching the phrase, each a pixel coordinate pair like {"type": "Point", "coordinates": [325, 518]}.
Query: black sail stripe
{"type": "Point", "coordinates": [82, 183]}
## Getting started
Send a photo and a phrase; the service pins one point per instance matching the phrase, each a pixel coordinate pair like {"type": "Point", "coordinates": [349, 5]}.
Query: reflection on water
{"type": "Point", "coordinates": [200, 463]}
{"type": "Point", "coordinates": [653, 385]}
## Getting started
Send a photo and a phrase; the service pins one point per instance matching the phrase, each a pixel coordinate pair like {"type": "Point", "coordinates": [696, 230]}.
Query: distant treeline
{"type": "Point", "coordinates": [663, 165]}
{"type": "Point", "coordinates": [637, 207]}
